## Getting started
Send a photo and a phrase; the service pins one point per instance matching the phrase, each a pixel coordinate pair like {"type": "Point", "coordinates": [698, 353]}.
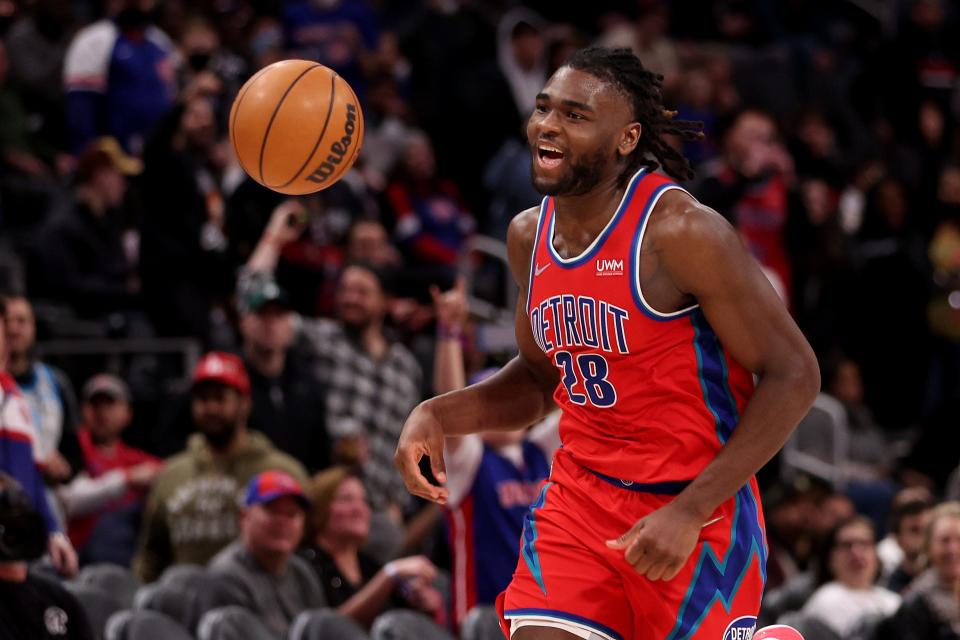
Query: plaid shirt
{"type": "Point", "coordinates": [366, 397]}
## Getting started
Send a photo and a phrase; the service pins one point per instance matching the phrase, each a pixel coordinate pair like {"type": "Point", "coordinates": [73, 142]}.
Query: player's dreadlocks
{"type": "Point", "coordinates": [623, 69]}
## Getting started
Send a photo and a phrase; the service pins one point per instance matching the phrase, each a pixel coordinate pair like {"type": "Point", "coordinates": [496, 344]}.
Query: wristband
{"type": "Point", "coordinates": [390, 570]}
{"type": "Point", "coordinates": [446, 333]}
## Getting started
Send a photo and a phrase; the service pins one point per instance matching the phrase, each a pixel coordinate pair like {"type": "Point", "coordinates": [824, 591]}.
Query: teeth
{"type": "Point", "coordinates": [548, 148]}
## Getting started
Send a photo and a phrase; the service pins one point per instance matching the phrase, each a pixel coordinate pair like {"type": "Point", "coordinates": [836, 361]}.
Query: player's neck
{"type": "Point", "coordinates": [584, 216]}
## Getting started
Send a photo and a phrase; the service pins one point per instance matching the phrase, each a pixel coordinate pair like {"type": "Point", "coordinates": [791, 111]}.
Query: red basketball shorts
{"type": "Point", "coordinates": [566, 575]}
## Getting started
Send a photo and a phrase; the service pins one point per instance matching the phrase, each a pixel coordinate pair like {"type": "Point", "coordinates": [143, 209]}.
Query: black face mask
{"type": "Point", "coordinates": [198, 61]}
{"type": "Point", "coordinates": [23, 534]}
{"type": "Point", "coordinates": [132, 18]}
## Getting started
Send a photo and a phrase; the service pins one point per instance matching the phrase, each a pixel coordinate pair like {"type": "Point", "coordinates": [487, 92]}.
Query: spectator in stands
{"type": "Point", "coordinates": [200, 49]}
{"type": "Point", "coordinates": [337, 526]}
{"type": "Point", "coordinates": [119, 77]}
{"type": "Point", "coordinates": [338, 33]}
{"type": "Point", "coordinates": [31, 607]}
{"type": "Point", "coordinates": [19, 460]}
{"type": "Point", "coordinates": [930, 607]}
{"type": "Point", "coordinates": [21, 150]}
{"type": "Point", "coordinates": [184, 262]}
{"type": "Point", "coordinates": [648, 37]}
{"type": "Point", "coordinates": [367, 241]}
{"type": "Point", "coordinates": [901, 552]}
{"type": "Point", "coordinates": [751, 186]}
{"type": "Point", "coordinates": [191, 512]}
{"type": "Point", "coordinates": [260, 571]}
{"type": "Point", "coordinates": [521, 57]}
{"type": "Point", "coordinates": [372, 382]}
{"type": "Point", "coordinates": [847, 572]}
{"type": "Point", "coordinates": [37, 44]}
{"type": "Point", "coordinates": [104, 504]}
{"type": "Point", "coordinates": [288, 402]}
{"type": "Point", "coordinates": [83, 257]}
{"type": "Point", "coordinates": [47, 391]}
{"type": "Point", "coordinates": [431, 219]}
{"type": "Point", "coordinates": [493, 478]}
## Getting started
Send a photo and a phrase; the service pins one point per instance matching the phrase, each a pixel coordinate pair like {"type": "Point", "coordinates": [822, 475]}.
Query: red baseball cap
{"type": "Point", "coordinates": [267, 486]}
{"type": "Point", "coordinates": [225, 368]}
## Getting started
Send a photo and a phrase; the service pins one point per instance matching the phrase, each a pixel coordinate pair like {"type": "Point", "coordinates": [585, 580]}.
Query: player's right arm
{"type": "Point", "coordinates": [515, 397]}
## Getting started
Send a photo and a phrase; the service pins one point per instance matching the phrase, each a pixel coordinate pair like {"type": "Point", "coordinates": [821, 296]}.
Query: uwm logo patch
{"type": "Point", "coordinates": [609, 267]}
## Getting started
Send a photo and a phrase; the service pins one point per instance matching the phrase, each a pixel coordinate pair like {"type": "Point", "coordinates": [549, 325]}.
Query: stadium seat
{"type": "Point", "coordinates": [187, 576]}
{"type": "Point", "coordinates": [98, 604]}
{"type": "Point", "coordinates": [170, 601]}
{"type": "Point", "coordinates": [385, 539]}
{"type": "Point", "coordinates": [400, 624]}
{"type": "Point", "coordinates": [820, 444]}
{"type": "Point", "coordinates": [143, 625]}
{"type": "Point", "coordinates": [481, 623]}
{"type": "Point", "coordinates": [114, 579]}
{"type": "Point", "coordinates": [323, 624]}
{"type": "Point", "coordinates": [232, 623]}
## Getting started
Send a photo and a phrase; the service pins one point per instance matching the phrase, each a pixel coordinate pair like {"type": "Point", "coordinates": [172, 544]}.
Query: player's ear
{"type": "Point", "coordinates": [629, 138]}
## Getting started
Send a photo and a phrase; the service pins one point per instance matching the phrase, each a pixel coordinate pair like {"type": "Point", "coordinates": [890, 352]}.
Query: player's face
{"type": "Point", "coordinates": [576, 133]}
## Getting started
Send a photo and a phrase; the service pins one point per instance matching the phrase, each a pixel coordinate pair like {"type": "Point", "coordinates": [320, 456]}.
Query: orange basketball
{"type": "Point", "coordinates": [296, 127]}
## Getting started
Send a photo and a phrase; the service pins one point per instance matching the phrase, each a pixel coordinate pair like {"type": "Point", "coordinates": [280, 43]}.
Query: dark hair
{"type": "Point", "coordinates": [383, 277]}
{"type": "Point", "coordinates": [824, 573]}
{"type": "Point", "coordinates": [908, 502]}
{"type": "Point", "coordinates": [622, 69]}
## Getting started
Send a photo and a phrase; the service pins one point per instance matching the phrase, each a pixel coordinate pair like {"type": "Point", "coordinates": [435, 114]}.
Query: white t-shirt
{"type": "Point", "coordinates": [841, 607]}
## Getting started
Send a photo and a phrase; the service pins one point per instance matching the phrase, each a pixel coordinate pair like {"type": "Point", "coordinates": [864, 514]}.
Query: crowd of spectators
{"type": "Point", "coordinates": [831, 145]}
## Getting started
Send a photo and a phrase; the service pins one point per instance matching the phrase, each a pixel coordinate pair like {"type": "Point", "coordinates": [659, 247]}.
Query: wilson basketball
{"type": "Point", "coordinates": [296, 127]}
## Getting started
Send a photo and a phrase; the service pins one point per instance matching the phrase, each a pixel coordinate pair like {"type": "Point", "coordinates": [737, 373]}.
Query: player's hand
{"type": "Point", "coordinates": [659, 544]}
{"type": "Point", "coordinates": [451, 306]}
{"type": "Point", "coordinates": [422, 435]}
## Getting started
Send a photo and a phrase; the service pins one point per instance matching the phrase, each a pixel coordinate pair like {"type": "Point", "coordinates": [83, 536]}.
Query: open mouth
{"type": "Point", "coordinates": [549, 156]}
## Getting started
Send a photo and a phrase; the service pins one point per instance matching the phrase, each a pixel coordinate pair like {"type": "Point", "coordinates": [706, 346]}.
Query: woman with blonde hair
{"type": "Point", "coordinates": [353, 582]}
{"type": "Point", "coordinates": [931, 605]}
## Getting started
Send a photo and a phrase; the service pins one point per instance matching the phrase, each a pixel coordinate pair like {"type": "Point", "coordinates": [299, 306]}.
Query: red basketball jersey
{"type": "Point", "coordinates": [647, 397]}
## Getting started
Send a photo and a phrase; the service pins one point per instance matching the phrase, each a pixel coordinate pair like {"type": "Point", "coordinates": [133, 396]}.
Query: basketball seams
{"type": "Point", "coordinates": [276, 110]}
{"type": "Point", "coordinates": [323, 132]}
{"type": "Point", "coordinates": [356, 147]}
{"type": "Point", "coordinates": [244, 90]}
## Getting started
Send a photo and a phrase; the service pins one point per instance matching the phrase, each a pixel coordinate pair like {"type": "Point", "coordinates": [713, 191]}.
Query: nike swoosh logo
{"type": "Point", "coordinates": [538, 270]}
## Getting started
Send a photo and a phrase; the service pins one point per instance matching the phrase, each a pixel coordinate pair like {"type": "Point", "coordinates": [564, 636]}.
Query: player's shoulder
{"type": "Point", "coordinates": [680, 219]}
{"type": "Point", "coordinates": [523, 227]}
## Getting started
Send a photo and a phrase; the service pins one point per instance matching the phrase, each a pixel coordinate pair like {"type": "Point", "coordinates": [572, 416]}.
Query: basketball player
{"type": "Point", "coordinates": [643, 317]}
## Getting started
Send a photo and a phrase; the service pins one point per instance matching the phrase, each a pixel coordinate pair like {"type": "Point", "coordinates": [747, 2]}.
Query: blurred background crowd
{"type": "Point", "coordinates": [163, 306]}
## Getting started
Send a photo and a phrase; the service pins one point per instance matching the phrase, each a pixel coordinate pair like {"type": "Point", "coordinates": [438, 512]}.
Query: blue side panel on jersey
{"type": "Point", "coordinates": [529, 549]}
{"type": "Point", "coordinates": [712, 369]}
{"type": "Point", "coordinates": [715, 579]}
{"type": "Point", "coordinates": [583, 259]}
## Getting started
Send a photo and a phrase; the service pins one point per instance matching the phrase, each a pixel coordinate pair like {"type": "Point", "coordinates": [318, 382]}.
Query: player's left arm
{"type": "Point", "coordinates": [703, 257]}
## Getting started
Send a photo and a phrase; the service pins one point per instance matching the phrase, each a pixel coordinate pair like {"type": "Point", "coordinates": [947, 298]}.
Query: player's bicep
{"type": "Point", "coordinates": [707, 259]}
